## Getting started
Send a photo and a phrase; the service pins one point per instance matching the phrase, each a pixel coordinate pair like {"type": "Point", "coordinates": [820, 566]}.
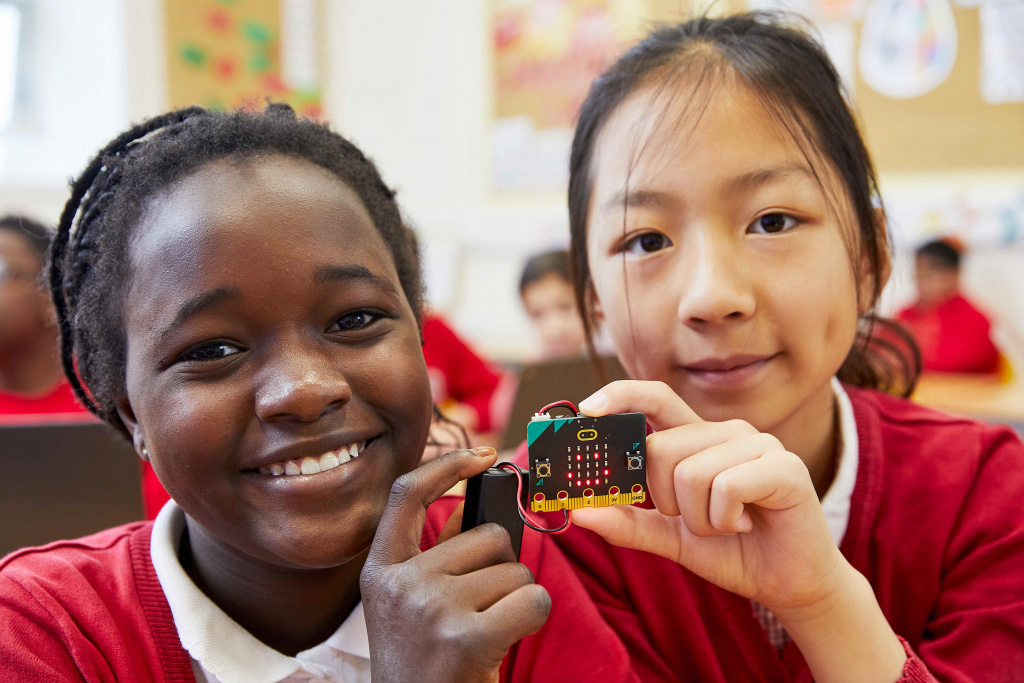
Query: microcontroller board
{"type": "Point", "coordinates": [581, 461]}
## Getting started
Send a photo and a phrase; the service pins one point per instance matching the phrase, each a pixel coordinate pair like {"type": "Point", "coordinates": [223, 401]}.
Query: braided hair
{"type": "Point", "coordinates": [89, 273]}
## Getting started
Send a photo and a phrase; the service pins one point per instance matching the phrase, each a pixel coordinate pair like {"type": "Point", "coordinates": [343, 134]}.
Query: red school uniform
{"type": "Point", "coordinates": [58, 401]}
{"type": "Point", "coordinates": [457, 373]}
{"type": "Point", "coordinates": [936, 525]}
{"type": "Point", "coordinates": [93, 609]}
{"type": "Point", "coordinates": [953, 337]}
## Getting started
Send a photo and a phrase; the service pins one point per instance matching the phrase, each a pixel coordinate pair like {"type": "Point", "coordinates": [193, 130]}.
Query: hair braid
{"type": "Point", "coordinates": [89, 201]}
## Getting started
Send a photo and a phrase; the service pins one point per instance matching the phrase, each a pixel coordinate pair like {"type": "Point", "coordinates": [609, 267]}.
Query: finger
{"type": "Point", "coordinates": [485, 587]}
{"type": "Point", "coordinates": [666, 449]}
{"type": "Point", "coordinates": [632, 527]}
{"type": "Point", "coordinates": [656, 400]}
{"type": "Point", "coordinates": [519, 614]}
{"type": "Point", "coordinates": [398, 534]}
{"type": "Point", "coordinates": [693, 477]}
{"type": "Point", "coordinates": [482, 546]}
{"type": "Point", "coordinates": [777, 480]}
{"type": "Point", "coordinates": [453, 527]}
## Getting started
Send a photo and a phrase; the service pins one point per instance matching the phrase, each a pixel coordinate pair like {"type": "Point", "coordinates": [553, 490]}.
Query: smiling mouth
{"type": "Point", "coordinates": [323, 463]}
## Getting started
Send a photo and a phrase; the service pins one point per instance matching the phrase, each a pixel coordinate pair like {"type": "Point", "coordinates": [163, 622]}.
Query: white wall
{"type": "Point", "coordinates": [78, 101]}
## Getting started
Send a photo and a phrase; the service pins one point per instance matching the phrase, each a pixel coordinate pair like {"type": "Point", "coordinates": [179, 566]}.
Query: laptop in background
{"type": "Point", "coordinates": [543, 383]}
{"type": "Point", "coordinates": [61, 481]}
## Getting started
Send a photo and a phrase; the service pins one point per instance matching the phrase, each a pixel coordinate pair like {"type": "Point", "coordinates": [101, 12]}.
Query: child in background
{"type": "Point", "coordinates": [952, 334]}
{"type": "Point", "coordinates": [546, 290]}
{"type": "Point", "coordinates": [463, 384]}
{"type": "Point", "coordinates": [810, 526]}
{"type": "Point", "coordinates": [239, 297]}
{"type": "Point", "coordinates": [31, 381]}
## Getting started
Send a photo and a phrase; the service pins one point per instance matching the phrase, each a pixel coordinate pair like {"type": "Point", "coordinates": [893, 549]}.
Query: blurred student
{"type": "Point", "coordinates": [952, 334]}
{"type": "Point", "coordinates": [463, 384]}
{"type": "Point", "coordinates": [31, 381]}
{"type": "Point", "coordinates": [546, 290]}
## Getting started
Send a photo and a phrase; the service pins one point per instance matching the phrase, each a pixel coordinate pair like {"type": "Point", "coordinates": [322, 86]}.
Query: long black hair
{"type": "Point", "coordinates": [792, 76]}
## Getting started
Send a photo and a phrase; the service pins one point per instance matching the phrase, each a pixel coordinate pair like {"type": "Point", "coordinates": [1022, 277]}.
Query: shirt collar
{"type": "Point", "coordinates": [213, 639]}
{"type": "Point", "coordinates": [836, 501]}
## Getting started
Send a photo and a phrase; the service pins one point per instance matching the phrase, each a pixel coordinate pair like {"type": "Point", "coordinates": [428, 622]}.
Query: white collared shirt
{"type": "Point", "coordinates": [836, 501]}
{"type": "Point", "coordinates": [224, 652]}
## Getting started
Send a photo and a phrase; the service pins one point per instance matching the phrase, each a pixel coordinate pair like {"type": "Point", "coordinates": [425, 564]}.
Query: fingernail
{"type": "Point", "coordinates": [594, 402]}
{"type": "Point", "coordinates": [484, 451]}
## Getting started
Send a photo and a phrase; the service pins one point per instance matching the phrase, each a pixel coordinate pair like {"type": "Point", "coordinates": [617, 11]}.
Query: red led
{"type": "Point", "coordinates": [588, 482]}
{"type": "Point", "coordinates": [579, 483]}
{"type": "Point", "coordinates": [570, 475]}
{"type": "Point", "coordinates": [595, 456]}
{"type": "Point", "coordinates": [579, 457]}
{"type": "Point", "coordinates": [606, 473]}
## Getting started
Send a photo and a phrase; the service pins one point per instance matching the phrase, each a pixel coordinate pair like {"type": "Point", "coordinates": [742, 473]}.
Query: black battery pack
{"type": "Point", "coordinates": [491, 499]}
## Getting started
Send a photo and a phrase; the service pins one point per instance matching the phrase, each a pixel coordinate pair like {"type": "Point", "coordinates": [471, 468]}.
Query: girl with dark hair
{"type": "Point", "coordinates": [238, 296]}
{"type": "Point", "coordinates": [728, 233]}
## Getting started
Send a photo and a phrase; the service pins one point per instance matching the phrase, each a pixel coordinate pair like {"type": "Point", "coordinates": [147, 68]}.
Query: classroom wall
{"type": "Point", "coordinates": [408, 82]}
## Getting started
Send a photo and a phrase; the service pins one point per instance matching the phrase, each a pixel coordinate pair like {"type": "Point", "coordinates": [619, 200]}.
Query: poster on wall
{"type": "Point", "coordinates": [546, 53]}
{"type": "Point", "coordinates": [1002, 51]}
{"type": "Point", "coordinates": [907, 47]}
{"type": "Point", "coordinates": [226, 54]}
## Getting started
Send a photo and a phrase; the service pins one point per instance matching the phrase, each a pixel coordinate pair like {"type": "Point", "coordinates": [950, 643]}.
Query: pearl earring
{"type": "Point", "coordinates": [145, 451]}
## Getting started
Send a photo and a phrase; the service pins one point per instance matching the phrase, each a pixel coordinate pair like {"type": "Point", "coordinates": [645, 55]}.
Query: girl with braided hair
{"type": "Point", "coordinates": [239, 296]}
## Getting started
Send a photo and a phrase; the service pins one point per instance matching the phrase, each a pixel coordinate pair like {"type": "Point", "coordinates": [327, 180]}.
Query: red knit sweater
{"type": "Point", "coordinates": [936, 525]}
{"type": "Point", "coordinates": [92, 609]}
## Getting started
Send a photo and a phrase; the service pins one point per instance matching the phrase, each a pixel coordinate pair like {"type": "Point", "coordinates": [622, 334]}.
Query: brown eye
{"type": "Point", "coordinates": [209, 352]}
{"type": "Point", "coordinates": [772, 223]}
{"type": "Point", "coordinates": [647, 243]}
{"type": "Point", "coordinates": [354, 321]}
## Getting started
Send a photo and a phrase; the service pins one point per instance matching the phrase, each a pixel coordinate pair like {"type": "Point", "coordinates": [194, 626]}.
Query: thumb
{"type": "Point", "coordinates": [656, 400]}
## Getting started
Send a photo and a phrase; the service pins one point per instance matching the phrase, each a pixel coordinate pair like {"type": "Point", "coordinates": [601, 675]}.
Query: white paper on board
{"type": "Point", "coordinates": [907, 47]}
{"type": "Point", "coordinates": [1002, 51]}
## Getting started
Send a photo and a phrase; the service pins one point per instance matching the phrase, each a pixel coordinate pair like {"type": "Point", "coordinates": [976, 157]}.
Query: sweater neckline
{"type": "Point", "coordinates": [174, 660]}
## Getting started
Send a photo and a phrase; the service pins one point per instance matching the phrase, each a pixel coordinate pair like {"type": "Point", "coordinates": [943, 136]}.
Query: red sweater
{"type": "Point", "coordinates": [92, 609]}
{"type": "Point", "coordinates": [458, 374]}
{"type": "Point", "coordinates": [953, 337]}
{"type": "Point", "coordinates": [59, 401]}
{"type": "Point", "coordinates": [936, 525]}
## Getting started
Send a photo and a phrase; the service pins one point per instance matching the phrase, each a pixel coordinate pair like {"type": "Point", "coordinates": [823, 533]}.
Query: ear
{"type": "Point", "coordinates": [127, 415]}
{"type": "Point", "coordinates": [871, 281]}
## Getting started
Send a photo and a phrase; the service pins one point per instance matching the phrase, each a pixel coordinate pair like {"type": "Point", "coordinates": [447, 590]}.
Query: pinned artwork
{"type": "Point", "coordinates": [908, 47]}
{"type": "Point", "coordinates": [225, 54]}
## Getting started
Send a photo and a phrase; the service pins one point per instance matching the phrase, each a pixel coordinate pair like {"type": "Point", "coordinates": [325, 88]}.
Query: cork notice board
{"type": "Point", "coordinates": [225, 54]}
{"type": "Point", "coordinates": [949, 128]}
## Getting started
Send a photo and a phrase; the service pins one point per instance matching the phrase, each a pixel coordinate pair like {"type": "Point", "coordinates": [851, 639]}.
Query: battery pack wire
{"type": "Point", "coordinates": [559, 404]}
{"type": "Point", "coordinates": [520, 477]}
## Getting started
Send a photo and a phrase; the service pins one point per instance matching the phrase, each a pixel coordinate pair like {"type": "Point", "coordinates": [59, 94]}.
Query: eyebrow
{"type": "Point", "coordinates": [642, 199]}
{"type": "Point", "coordinates": [200, 303]}
{"type": "Point", "coordinates": [639, 199]}
{"type": "Point", "coordinates": [764, 176]}
{"type": "Point", "coordinates": [333, 274]}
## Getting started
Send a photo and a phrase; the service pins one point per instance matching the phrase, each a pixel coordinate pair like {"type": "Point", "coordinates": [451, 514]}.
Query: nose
{"type": "Point", "coordinates": [717, 282]}
{"type": "Point", "coordinates": [299, 383]}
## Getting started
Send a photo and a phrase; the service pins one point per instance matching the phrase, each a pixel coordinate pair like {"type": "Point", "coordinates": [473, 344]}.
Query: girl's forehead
{"type": "Point", "coordinates": [714, 125]}
{"type": "Point", "coordinates": [281, 218]}
{"type": "Point", "coordinates": [252, 202]}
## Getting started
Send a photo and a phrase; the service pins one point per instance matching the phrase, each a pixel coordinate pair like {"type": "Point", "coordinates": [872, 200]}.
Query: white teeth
{"type": "Point", "coordinates": [327, 461]}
